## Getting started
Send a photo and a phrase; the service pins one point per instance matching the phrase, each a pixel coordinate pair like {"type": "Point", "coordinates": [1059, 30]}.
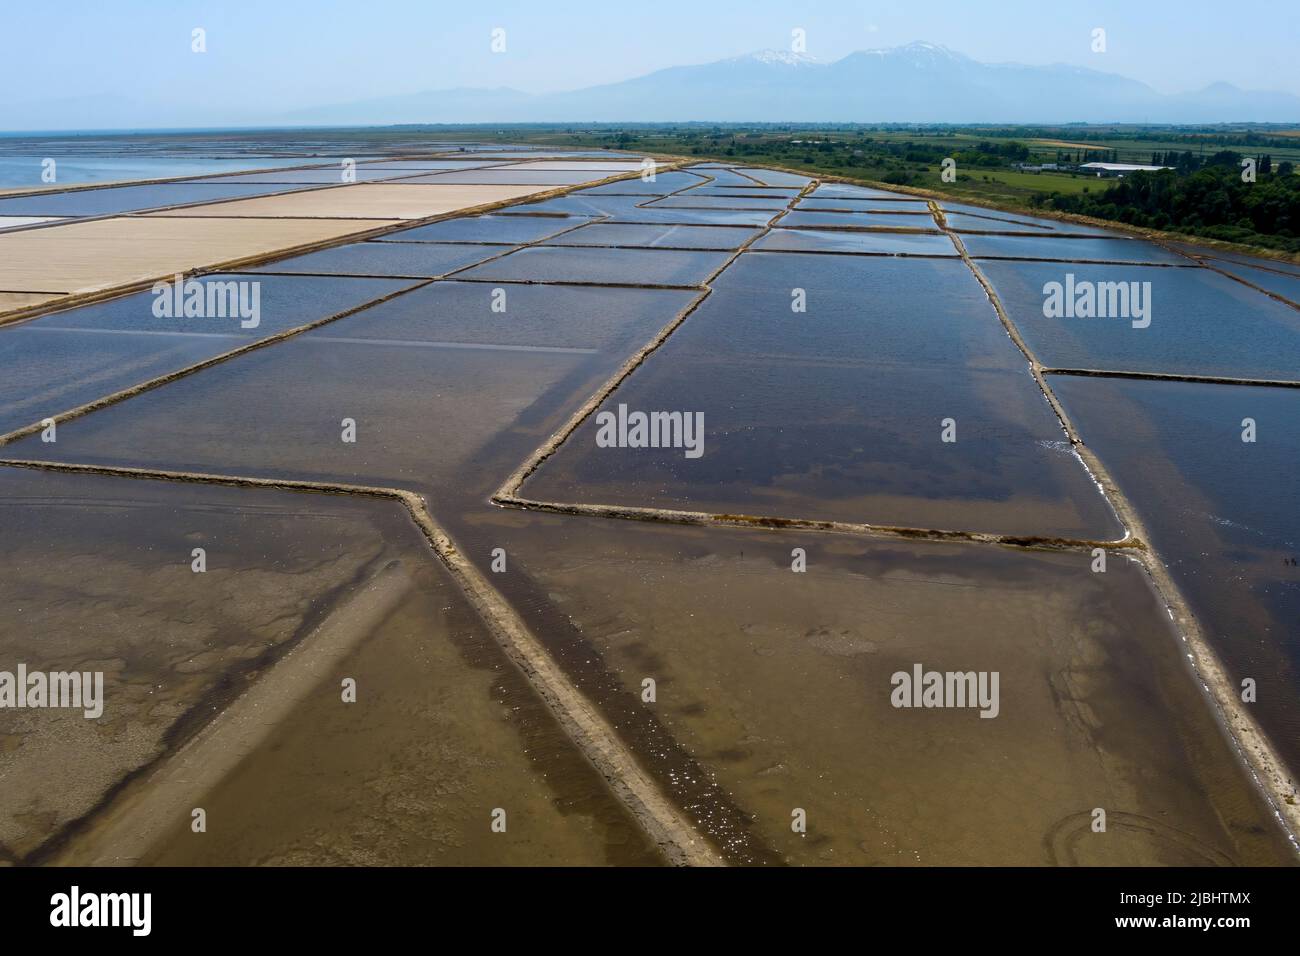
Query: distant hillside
{"type": "Point", "coordinates": [917, 83]}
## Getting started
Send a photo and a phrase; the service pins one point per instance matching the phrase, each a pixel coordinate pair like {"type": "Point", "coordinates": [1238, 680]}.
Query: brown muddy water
{"type": "Point", "coordinates": [773, 694]}
{"type": "Point", "coordinates": [98, 576]}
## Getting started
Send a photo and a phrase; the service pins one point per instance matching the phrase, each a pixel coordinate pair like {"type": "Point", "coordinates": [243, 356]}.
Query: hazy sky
{"type": "Point", "coordinates": [283, 54]}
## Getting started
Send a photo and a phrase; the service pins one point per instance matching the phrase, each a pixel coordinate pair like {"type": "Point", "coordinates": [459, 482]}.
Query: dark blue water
{"type": "Point", "coordinates": [837, 412]}
{"type": "Point", "coordinates": [1201, 323]}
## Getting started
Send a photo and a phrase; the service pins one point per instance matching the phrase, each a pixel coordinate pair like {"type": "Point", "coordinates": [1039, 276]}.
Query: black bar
{"type": "Point", "coordinates": [568, 906]}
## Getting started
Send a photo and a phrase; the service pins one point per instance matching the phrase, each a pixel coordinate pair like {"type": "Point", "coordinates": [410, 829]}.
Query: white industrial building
{"type": "Point", "coordinates": [1119, 169]}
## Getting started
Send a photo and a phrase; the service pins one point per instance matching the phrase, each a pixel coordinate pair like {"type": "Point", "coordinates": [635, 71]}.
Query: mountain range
{"type": "Point", "coordinates": [917, 83]}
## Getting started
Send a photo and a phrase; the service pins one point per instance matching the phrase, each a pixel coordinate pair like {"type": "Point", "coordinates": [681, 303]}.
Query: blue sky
{"type": "Point", "coordinates": [283, 54]}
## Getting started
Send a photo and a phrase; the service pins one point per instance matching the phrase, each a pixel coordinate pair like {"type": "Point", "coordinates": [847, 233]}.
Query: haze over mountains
{"type": "Point", "coordinates": [917, 83]}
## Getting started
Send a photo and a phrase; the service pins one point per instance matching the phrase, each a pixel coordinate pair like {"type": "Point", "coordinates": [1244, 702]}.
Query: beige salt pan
{"type": "Point", "coordinates": [365, 201]}
{"type": "Point", "coordinates": [86, 256]}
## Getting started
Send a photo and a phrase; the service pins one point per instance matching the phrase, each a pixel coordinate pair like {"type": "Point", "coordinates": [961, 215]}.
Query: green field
{"type": "Point", "coordinates": [1013, 183]}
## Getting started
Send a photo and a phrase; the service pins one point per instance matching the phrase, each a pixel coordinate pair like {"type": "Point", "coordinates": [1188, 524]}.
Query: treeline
{"type": "Point", "coordinates": [1196, 136]}
{"type": "Point", "coordinates": [1066, 158]}
{"type": "Point", "coordinates": [1247, 138]}
{"type": "Point", "coordinates": [1213, 200]}
{"type": "Point", "coordinates": [992, 154]}
{"type": "Point", "coordinates": [866, 152]}
{"type": "Point", "coordinates": [1188, 162]}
